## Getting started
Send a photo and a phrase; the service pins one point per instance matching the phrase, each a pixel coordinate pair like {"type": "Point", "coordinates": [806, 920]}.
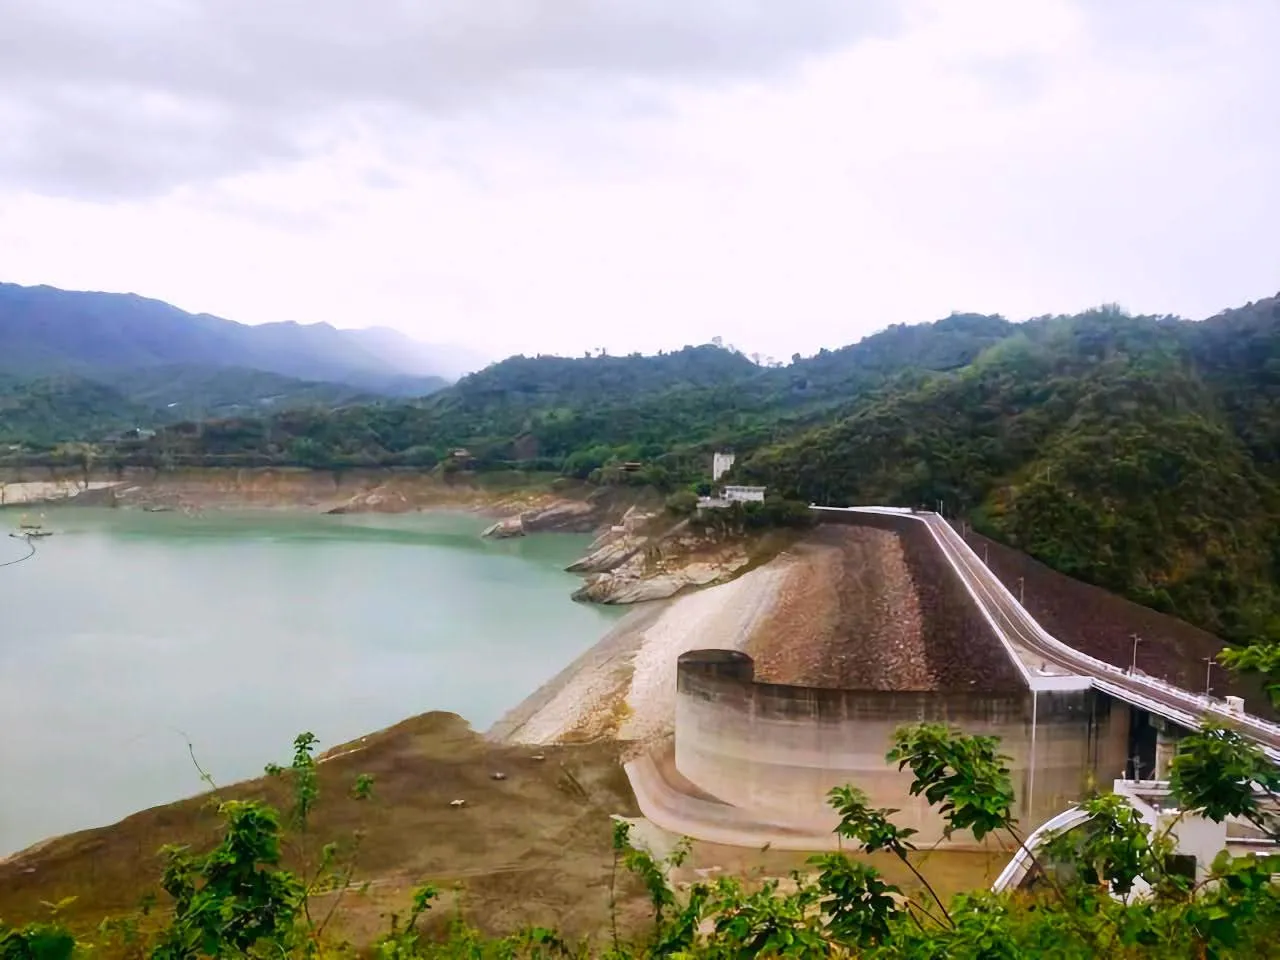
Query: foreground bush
{"type": "Point", "coordinates": [236, 900]}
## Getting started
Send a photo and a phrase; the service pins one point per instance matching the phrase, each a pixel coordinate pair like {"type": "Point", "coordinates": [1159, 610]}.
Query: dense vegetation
{"type": "Point", "coordinates": [85, 366]}
{"type": "Point", "coordinates": [1138, 453]}
{"type": "Point", "coordinates": [1128, 452]}
{"type": "Point", "coordinates": [40, 414]}
{"type": "Point", "coordinates": [1109, 889]}
{"type": "Point", "coordinates": [54, 410]}
{"type": "Point", "coordinates": [579, 415]}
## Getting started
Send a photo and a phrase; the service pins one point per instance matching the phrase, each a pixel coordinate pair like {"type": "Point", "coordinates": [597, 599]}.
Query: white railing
{"type": "Point", "coordinates": [1201, 702]}
{"type": "Point", "coordinates": [1101, 672]}
{"type": "Point", "coordinates": [1024, 859]}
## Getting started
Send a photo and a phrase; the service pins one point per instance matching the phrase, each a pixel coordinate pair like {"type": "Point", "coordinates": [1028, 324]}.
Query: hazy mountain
{"type": "Point", "coordinates": [45, 331]}
{"type": "Point", "coordinates": [422, 359]}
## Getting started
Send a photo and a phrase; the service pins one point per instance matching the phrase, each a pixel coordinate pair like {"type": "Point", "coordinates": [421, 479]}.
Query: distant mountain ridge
{"type": "Point", "coordinates": [84, 366]}
{"type": "Point", "coordinates": [1137, 453]}
{"type": "Point", "coordinates": [46, 331]}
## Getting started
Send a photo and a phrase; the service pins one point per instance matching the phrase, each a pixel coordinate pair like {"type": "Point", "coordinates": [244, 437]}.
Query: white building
{"type": "Point", "coordinates": [744, 494]}
{"type": "Point", "coordinates": [721, 463]}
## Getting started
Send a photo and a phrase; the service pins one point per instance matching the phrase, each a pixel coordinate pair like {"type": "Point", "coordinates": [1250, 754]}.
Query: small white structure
{"type": "Point", "coordinates": [721, 463]}
{"type": "Point", "coordinates": [744, 494]}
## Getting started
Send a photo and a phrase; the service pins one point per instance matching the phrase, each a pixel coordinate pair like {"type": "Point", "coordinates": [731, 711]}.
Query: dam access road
{"type": "Point", "coordinates": [748, 755]}
{"type": "Point", "coordinates": [1048, 663]}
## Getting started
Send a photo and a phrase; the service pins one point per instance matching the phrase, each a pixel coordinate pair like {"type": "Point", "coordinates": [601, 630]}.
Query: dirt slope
{"type": "Point", "coordinates": [534, 847]}
{"type": "Point", "coordinates": [870, 604]}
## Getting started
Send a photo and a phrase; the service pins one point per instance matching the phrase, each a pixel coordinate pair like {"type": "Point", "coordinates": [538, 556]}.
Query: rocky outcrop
{"type": "Point", "coordinates": [626, 565]}
{"type": "Point", "coordinates": [632, 583]}
{"type": "Point", "coordinates": [619, 543]}
{"type": "Point", "coordinates": [565, 515]}
{"type": "Point", "coordinates": [52, 491]}
{"type": "Point", "coordinates": [607, 556]}
{"type": "Point", "coordinates": [380, 499]}
{"type": "Point", "coordinates": [506, 527]}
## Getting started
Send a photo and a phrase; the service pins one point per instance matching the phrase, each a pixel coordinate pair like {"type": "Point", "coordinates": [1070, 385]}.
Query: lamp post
{"type": "Point", "coordinates": [1208, 673]}
{"type": "Point", "coordinates": [1022, 591]}
{"type": "Point", "coordinates": [1133, 666]}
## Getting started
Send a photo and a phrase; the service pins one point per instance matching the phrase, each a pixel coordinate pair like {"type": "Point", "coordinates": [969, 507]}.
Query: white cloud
{"type": "Point", "coordinates": [1020, 157]}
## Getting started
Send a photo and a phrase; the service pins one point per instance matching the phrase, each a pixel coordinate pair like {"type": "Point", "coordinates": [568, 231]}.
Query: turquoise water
{"type": "Point", "coordinates": [130, 633]}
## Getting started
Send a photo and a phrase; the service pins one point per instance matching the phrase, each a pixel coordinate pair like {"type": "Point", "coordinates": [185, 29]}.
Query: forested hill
{"type": "Point", "coordinates": [1139, 453]}
{"type": "Point", "coordinates": [48, 411]}
{"type": "Point", "coordinates": [1136, 453]}
{"type": "Point", "coordinates": [82, 366]}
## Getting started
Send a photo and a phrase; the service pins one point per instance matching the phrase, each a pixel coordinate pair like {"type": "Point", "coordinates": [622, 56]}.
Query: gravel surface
{"type": "Point", "coordinates": [871, 604]}
{"type": "Point", "coordinates": [847, 616]}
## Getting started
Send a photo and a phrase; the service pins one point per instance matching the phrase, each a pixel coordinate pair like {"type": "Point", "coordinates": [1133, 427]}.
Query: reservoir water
{"type": "Point", "coordinates": [129, 634]}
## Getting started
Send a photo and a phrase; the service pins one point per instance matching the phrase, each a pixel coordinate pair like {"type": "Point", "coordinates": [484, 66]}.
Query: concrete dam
{"type": "Point", "coordinates": [753, 757]}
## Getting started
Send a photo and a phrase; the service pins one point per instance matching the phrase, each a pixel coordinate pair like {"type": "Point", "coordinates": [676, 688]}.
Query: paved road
{"type": "Point", "coordinates": [1018, 629]}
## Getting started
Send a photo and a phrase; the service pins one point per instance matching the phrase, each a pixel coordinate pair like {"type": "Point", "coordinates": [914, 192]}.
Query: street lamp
{"type": "Point", "coordinates": [1208, 672]}
{"type": "Point", "coordinates": [1133, 666]}
{"type": "Point", "coordinates": [1022, 591]}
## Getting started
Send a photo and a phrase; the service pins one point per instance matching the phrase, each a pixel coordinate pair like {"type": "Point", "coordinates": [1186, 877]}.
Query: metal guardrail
{"type": "Point", "coordinates": [1024, 859]}
{"type": "Point", "coordinates": [1124, 677]}
{"type": "Point", "coordinates": [1188, 707]}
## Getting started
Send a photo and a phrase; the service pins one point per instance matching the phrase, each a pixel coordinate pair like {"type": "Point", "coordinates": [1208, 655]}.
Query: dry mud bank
{"type": "Point", "coordinates": [531, 849]}
{"type": "Point", "coordinates": [320, 491]}
{"type": "Point", "coordinates": [534, 847]}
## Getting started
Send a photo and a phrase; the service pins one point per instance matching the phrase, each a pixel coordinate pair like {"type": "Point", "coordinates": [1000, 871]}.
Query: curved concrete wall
{"type": "Point", "coordinates": [776, 749]}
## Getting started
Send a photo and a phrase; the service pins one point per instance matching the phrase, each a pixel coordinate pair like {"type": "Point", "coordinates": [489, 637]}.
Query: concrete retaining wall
{"type": "Point", "coordinates": [776, 749]}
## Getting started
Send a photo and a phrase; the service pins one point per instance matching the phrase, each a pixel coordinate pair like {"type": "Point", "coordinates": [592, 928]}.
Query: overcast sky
{"type": "Point", "coordinates": [558, 175]}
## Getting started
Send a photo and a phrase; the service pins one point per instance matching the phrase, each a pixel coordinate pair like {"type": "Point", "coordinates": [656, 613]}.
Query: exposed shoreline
{"type": "Point", "coordinates": [623, 688]}
{"type": "Point", "coordinates": [620, 690]}
{"type": "Point", "coordinates": [287, 488]}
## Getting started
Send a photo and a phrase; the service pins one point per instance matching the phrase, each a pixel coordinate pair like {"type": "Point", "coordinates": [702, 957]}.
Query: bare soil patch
{"type": "Point", "coordinates": [531, 848]}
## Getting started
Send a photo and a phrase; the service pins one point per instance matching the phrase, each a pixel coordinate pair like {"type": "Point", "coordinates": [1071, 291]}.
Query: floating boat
{"type": "Point", "coordinates": [30, 531]}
